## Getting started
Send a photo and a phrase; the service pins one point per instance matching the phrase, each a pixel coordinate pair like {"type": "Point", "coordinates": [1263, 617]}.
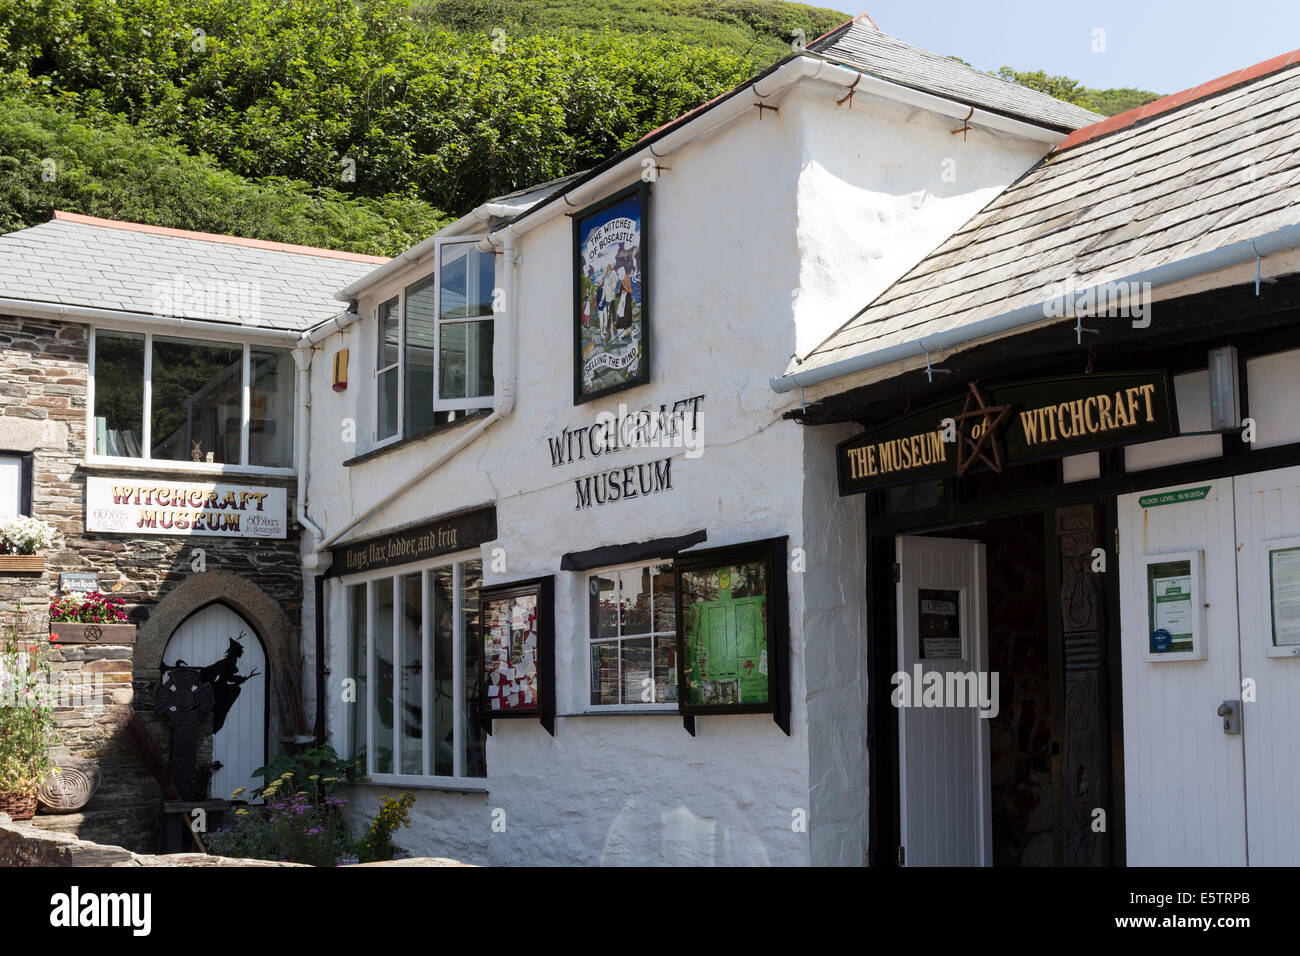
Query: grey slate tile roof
{"type": "Point", "coordinates": [1208, 174]}
{"type": "Point", "coordinates": [861, 46]}
{"type": "Point", "coordinates": [73, 262]}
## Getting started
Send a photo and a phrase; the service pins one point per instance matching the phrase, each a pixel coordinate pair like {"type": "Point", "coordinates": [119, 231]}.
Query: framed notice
{"type": "Point", "coordinates": [1283, 565]}
{"type": "Point", "coordinates": [733, 631]}
{"type": "Point", "coordinates": [518, 675]}
{"type": "Point", "coordinates": [1175, 599]}
{"type": "Point", "coordinates": [611, 314]}
{"type": "Point", "coordinates": [938, 617]}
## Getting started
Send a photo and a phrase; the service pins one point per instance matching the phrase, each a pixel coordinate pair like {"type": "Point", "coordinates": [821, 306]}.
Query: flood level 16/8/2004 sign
{"type": "Point", "coordinates": [611, 310]}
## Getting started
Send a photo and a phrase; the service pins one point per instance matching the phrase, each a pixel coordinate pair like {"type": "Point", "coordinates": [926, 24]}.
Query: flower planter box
{"type": "Point", "coordinates": [68, 632]}
{"type": "Point", "coordinates": [22, 563]}
{"type": "Point", "coordinates": [20, 805]}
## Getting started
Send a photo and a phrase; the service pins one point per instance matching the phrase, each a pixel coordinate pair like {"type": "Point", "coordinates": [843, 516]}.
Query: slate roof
{"type": "Point", "coordinates": [859, 45]}
{"type": "Point", "coordinates": [102, 263]}
{"type": "Point", "coordinates": [1189, 180]}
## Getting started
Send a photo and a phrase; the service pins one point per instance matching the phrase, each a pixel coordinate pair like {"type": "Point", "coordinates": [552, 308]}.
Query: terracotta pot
{"type": "Point", "coordinates": [22, 563]}
{"type": "Point", "coordinates": [20, 805]}
{"type": "Point", "coordinates": [70, 632]}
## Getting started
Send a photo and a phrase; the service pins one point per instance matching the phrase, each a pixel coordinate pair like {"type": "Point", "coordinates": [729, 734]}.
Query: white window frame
{"type": "Point", "coordinates": [397, 368]}
{"type": "Point", "coordinates": [458, 780]}
{"type": "Point", "coordinates": [458, 404]}
{"type": "Point", "coordinates": [589, 641]}
{"type": "Point", "coordinates": [146, 461]}
{"type": "Point", "coordinates": [439, 404]}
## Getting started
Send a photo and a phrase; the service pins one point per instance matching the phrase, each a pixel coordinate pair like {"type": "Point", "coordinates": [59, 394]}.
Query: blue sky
{"type": "Point", "coordinates": [1149, 44]}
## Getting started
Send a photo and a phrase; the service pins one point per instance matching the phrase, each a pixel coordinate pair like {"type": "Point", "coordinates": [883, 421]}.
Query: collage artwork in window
{"type": "Point", "coordinates": [512, 664]}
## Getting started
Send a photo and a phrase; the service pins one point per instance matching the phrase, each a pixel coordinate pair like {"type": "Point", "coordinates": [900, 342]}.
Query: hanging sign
{"type": "Point", "coordinates": [986, 428]}
{"type": "Point", "coordinates": [611, 315]}
{"type": "Point", "coordinates": [174, 506]}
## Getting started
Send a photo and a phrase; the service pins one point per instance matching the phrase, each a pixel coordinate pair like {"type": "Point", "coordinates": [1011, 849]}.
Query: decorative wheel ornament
{"type": "Point", "coordinates": [71, 783]}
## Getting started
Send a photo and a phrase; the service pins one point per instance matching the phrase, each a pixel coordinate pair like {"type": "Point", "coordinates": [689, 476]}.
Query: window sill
{"type": "Point", "coordinates": [671, 711]}
{"type": "Point", "coordinates": [414, 439]}
{"type": "Point", "coordinates": [449, 785]}
{"type": "Point", "coordinates": [156, 465]}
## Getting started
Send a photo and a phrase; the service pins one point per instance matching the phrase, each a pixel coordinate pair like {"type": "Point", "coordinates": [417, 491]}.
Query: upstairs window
{"type": "Point", "coordinates": [434, 350]}
{"type": "Point", "coordinates": [175, 399]}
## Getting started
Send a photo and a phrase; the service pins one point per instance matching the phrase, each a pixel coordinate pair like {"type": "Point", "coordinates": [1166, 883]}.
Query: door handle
{"type": "Point", "coordinates": [1230, 711]}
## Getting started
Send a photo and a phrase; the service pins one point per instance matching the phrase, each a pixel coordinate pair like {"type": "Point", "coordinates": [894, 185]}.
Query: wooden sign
{"type": "Point", "coordinates": [1014, 423]}
{"type": "Point", "coordinates": [454, 532]}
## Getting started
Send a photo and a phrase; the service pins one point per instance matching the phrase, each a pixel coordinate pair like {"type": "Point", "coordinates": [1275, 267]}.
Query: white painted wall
{"type": "Point", "coordinates": [762, 237]}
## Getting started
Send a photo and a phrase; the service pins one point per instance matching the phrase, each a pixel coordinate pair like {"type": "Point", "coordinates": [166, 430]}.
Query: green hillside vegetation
{"type": "Point", "coordinates": [1106, 102]}
{"type": "Point", "coordinates": [762, 27]}
{"type": "Point", "coordinates": [51, 159]}
{"type": "Point", "coordinates": [353, 125]}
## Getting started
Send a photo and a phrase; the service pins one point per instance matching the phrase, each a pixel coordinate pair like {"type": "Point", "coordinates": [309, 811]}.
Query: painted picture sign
{"type": "Point", "coordinates": [611, 314]}
{"type": "Point", "coordinates": [986, 428]}
{"type": "Point", "coordinates": [139, 505]}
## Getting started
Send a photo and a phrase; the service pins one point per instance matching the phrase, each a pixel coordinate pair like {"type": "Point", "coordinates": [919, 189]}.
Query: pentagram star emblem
{"type": "Point", "coordinates": [984, 421]}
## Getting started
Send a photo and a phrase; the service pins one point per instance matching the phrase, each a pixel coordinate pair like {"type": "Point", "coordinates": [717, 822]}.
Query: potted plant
{"type": "Point", "coordinates": [21, 540]}
{"type": "Point", "coordinates": [26, 726]}
{"type": "Point", "coordinates": [92, 618]}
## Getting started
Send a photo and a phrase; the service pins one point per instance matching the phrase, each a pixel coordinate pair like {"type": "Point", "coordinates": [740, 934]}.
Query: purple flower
{"type": "Point", "coordinates": [314, 830]}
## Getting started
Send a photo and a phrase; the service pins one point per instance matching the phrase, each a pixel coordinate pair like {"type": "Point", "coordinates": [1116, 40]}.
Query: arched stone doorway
{"type": "Point", "coordinates": [218, 639]}
{"type": "Point", "coordinates": [244, 598]}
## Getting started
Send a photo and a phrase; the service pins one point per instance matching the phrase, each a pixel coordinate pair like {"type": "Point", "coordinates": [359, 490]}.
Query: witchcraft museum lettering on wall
{"type": "Point", "coordinates": [668, 426]}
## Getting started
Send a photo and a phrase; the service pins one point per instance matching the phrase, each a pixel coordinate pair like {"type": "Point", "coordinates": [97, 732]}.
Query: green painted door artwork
{"type": "Point", "coordinates": [726, 642]}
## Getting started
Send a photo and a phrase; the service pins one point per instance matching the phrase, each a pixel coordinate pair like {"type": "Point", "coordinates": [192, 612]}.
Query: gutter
{"type": "Point", "coordinates": [139, 321]}
{"type": "Point", "coordinates": [1280, 240]}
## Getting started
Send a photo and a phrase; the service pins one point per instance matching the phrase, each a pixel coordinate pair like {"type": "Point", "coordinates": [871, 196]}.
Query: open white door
{"type": "Point", "coordinates": [1268, 561]}
{"type": "Point", "coordinates": [1183, 776]}
{"type": "Point", "coordinates": [943, 774]}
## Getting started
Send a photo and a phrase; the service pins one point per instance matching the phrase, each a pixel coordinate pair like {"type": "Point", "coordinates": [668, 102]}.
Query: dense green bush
{"type": "Point", "coordinates": [51, 159]}
{"type": "Point", "coordinates": [358, 96]}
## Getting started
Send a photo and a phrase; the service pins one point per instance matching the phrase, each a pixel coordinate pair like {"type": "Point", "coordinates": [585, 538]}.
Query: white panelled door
{"type": "Point", "coordinates": [1195, 795]}
{"type": "Point", "coordinates": [943, 773]}
{"type": "Point", "coordinates": [1183, 789]}
{"type": "Point", "coordinates": [1268, 528]}
{"type": "Point", "coordinates": [211, 638]}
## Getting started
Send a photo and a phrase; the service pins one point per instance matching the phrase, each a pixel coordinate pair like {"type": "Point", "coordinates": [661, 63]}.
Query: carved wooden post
{"type": "Point", "coordinates": [1085, 747]}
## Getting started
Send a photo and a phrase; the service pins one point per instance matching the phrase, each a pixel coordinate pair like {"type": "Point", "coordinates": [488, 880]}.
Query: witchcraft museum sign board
{"type": "Point", "coordinates": [988, 428]}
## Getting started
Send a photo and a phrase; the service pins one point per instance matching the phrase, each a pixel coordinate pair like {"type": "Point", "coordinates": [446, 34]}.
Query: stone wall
{"type": "Point", "coordinates": [22, 844]}
{"type": "Point", "coordinates": [43, 398]}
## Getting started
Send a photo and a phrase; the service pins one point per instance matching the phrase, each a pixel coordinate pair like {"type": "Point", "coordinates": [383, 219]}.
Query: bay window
{"type": "Point", "coordinates": [633, 636]}
{"type": "Point", "coordinates": [174, 399]}
{"type": "Point", "coordinates": [414, 652]}
{"type": "Point", "coordinates": [434, 348]}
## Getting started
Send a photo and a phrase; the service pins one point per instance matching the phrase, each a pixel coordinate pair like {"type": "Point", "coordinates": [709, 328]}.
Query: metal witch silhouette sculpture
{"type": "Point", "coordinates": [186, 695]}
